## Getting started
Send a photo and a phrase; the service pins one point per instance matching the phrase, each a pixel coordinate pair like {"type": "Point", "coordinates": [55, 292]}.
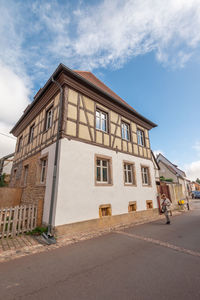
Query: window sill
{"type": "Point", "coordinates": [147, 185]}
{"type": "Point", "coordinates": [103, 184]}
{"type": "Point", "coordinates": [130, 184]}
{"type": "Point", "coordinates": [41, 184]}
{"type": "Point", "coordinates": [101, 130]}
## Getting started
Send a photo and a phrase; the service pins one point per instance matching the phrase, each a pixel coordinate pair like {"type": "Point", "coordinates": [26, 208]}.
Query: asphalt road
{"type": "Point", "coordinates": [150, 261]}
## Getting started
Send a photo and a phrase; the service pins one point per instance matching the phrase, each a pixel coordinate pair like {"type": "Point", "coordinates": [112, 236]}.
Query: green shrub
{"type": "Point", "coordinates": [2, 180]}
{"type": "Point", "coordinates": [38, 230]}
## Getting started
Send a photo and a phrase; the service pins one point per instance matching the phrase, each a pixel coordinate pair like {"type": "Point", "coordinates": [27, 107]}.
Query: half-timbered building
{"type": "Point", "coordinates": [104, 160]}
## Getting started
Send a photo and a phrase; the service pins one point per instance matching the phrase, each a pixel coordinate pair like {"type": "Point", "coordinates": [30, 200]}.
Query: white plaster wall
{"type": "Point", "coordinates": [78, 198]}
{"type": "Point", "coordinates": [51, 153]}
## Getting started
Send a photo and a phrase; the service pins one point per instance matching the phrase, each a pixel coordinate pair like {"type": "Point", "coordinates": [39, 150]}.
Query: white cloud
{"type": "Point", "coordinates": [193, 170]}
{"type": "Point", "coordinates": [157, 152]}
{"type": "Point", "coordinates": [36, 36]}
{"type": "Point", "coordinates": [7, 141]}
{"type": "Point", "coordinates": [13, 101]}
{"type": "Point", "coordinates": [13, 96]}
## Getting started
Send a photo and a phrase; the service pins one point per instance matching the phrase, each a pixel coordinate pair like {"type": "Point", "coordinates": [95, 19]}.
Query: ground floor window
{"type": "Point", "coordinates": [25, 175]}
{"type": "Point", "coordinates": [129, 174]}
{"type": "Point", "coordinates": [43, 170]}
{"type": "Point", "coordinates": [103, 170]}
{"type": "Point", "coordinates": [146, 180]}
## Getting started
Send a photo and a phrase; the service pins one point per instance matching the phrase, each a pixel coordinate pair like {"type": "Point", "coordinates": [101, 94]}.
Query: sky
{"type": "Point", "coordinates": [147, 51]}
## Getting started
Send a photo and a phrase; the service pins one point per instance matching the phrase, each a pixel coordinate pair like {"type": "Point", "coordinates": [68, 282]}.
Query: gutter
{"type": "Point", "coordinates": [49, 236]}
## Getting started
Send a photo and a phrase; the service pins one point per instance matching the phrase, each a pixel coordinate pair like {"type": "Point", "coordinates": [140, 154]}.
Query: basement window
{"type": "Point", "coordinates": [132, 206]}
{"type": "Point", "coordinates": [105, 210]}
{"type": "Point", "coordinates": [149, 204]}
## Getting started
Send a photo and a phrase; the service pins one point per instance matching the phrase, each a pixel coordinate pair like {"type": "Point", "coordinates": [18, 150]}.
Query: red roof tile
{"type": "Point", "coordinates": [93, 79]}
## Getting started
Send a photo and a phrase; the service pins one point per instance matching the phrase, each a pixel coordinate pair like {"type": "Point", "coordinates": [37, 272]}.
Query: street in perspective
{"type": "Point", "coordinates": [149, 261]}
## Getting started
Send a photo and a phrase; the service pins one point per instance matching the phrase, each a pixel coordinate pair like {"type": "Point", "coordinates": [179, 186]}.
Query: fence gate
{"type": "Point", "coordinates": [18, 219]}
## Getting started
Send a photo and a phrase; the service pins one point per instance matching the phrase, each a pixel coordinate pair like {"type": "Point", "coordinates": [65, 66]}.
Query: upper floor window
{"type": "Point", "coordinates": [31, 134]}
{"type": "Point", "coordinates": [101, 120]}
{"type": "Point", "coordinates": [125, 131]}
{"type": "Point", "coordinates": [129, 174]}
{"type": "Point", "coordinates": [19, 144]}
{"type": "Point", "coordinates": [145, 175]}
{"type": "Point", "coordinates": [140, 137]}
{"type": "Point", "coordinates": [49, 118]}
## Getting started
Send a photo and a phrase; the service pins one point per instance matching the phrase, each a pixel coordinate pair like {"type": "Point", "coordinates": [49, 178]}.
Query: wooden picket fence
{"type": "Point", "coordinates": [17, 220]}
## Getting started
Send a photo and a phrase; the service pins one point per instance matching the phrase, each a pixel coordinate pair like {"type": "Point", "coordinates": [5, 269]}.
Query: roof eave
{"type": "Point", "coordinates": [64, 68]}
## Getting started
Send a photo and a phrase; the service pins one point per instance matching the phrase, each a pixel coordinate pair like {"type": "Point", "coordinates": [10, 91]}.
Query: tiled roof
{"type": "Point", "coordinates": [94, 80]}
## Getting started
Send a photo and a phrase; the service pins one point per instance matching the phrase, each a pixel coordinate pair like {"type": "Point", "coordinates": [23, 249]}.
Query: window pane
{"type": "Point", "coordinates": [129, 177]}
{"type": "Point", "coordinates": [103, 125]}
{"type": "Point", "coordinates": [98, 174]}
{"type": "Point", "coordinates": [103, 116]}
{"type": "Point", "coordinates": [105, 163]}
{"type": "Point", "coordinates": [125, 176]}
{"type": "Point", "coordinates": [129, 167]}
{"type": "Point", "coordinates": [97, 123]}
{"type": "Point", "coordinates": [98, 162]}
{"type": "Point", "coordinates": [105, 174]}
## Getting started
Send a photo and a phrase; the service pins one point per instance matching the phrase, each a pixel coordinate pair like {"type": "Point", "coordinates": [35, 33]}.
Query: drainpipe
{"type": "Point", "coordinates": [49, 235]}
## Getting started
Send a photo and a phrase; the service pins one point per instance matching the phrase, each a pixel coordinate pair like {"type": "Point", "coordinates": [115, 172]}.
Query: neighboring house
{"type": "Point", "coordinates": [103, 156]}
{"type": "Point", "coordinates": [180, 184]}
{"type": "Point", "coordinates": [6, 163]}
{"type": "Point", "coordinates": [194, 186]}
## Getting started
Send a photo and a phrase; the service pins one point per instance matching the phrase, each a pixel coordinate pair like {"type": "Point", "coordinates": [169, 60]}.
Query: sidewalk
{"type": "Point", "coordinates": [23, 245]}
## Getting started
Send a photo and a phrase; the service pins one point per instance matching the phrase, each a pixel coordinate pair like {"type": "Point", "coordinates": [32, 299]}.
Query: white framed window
{"type": "Point", "coordinates": [49, 118]}
{"type": "Point", "coordinates": [145, 175]}
{"type": "Point", "coordinates": [102, 170]}
{"type": "Point", "coordinates": [31, 133]}
{"type": "Point", "coordinates": [129, 174]}
{"type": "Point", "coordinates": [43, 170]}
{"type": "Point", "coordinates": [140, 137]}
{"type": "Point", "coordinates": [125, 131]}
{"type": "Point", "coordinates": [101, 120]}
